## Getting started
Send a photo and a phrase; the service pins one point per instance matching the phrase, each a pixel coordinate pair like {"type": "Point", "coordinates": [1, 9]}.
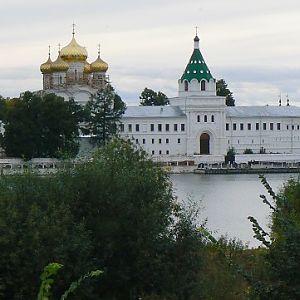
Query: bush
{"type": "Point", "coordinates": [116, 213]}
{"type": "Point", "coordinates": [248, 151]}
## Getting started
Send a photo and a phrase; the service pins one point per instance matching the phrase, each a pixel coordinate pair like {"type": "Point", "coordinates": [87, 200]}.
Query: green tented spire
{"type": "Point", "coordinates": [196, 68]}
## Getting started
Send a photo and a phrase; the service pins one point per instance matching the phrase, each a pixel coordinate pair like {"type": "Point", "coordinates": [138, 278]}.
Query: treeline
{"type": "Point", "coordinates": [37, 125]}
{"type": "Point", "coordinates": [117, 214]}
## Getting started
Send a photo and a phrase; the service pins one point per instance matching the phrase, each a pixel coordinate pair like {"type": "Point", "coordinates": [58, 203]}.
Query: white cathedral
{"type": "Point", "coordinates": [195, 126]}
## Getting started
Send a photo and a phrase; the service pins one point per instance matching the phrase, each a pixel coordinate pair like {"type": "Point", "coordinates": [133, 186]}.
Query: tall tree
{"type": "Point", "coordinates": [151, 98]}
{"type": "Point", "coordinates": [103, 113]}
{"type": "Point", "coordinates": [38, 126]}
{"type": "Point", "coordinates": [222, 90]}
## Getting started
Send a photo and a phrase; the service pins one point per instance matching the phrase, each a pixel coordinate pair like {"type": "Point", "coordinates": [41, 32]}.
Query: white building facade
{"type": "Point", "coordinates": [198, 126]}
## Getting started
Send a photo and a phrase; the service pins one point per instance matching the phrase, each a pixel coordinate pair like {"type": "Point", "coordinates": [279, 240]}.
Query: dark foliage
{"type": "Point", "coordinates": [222, 90]}
{"type": "Point", "coordinates": [38, 126]}
{"type": "Point", "coordinates": [151, 98]}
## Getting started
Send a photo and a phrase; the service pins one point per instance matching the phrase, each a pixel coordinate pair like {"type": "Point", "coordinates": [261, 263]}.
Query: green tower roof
{"type": "Point", "coordinates": [196, 68]}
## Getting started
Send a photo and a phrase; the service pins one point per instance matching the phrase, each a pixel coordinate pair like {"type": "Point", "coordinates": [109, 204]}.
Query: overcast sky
{"type": "Point", "coordinates": [254, 45]}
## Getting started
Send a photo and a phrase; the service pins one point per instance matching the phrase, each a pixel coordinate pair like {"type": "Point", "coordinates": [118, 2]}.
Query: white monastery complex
{"type": "Point", "coordinates": [196, 126]}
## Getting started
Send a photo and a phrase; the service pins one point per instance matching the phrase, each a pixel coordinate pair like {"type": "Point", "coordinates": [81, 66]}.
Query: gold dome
{"type": "Point", "coordinates": [73, 52]}
{"type": "Point", "coordinates": [87, 68]}
{"type": "Point", "coordinates": [99, 65]}
{"type": "Point", "coordinates": [59, 65]}
{"type": "Point", "coordinates": [46, 67]}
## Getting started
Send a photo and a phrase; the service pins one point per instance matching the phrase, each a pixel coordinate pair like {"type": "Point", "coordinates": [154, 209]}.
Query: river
{"type": "Point", "coordinates": [227, 200]}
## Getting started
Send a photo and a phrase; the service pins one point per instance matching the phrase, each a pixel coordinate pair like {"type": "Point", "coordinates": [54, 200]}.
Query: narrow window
{"type": "Point", "coordinates": [159, 126]}
{"type": "Point", "coordinates": [203, 85]}
{"type": "Point", "coordinates": [122, 127]}
{"type": "Point", "coordinates": [144, 141]}
{"type": "Point", "coordinates": [264, 126]}
{"type": "Point", "coordinates": [186, 85]}
{"type": "Point", "coordinates": [130, 127]}
{"type": "Point", "coordinates": [137, 127]}
{"type": "Point", "coordinates": [159, 152]}
{"type": "Point", "coordinates": [212, 118]}
{"type": "Point", "coordinates": [234, 126]}
{"type": "Point", "coordinates": [287, 127]}
{"type": "Point", "coordinates": [153, 152]}
{"type": "Point", "coordinates": [159, 141]}
{"type": "Point", "coordinates": [198, 118]}
{"type": "Point", "coordinates": [178, 141]}
{"type": "Point", "coordinates": [152, 141]}
{"type": "Point", "coordinates": [241, 126]}
{"type": "Point", "coordinates": [167, 127]}
{"type": "Point", "coordinates": [182, 127]}
{"type": "Point", "coordinates": [278, 126]}
{"type": "Point", "coordinates": [137, 141]}
{"type": "Point", "coordinates": [257, 126]}
{"type": "Point", "coordinates": [271, 126]}
{"type": "Point", "coordinates": [167, 141]}
{"type": "Point", "coordinates": [167, 152]}
{"type": "Point", "coordinates": [293, 127]}
{"type": "Point", "coordinates": [227, 126]}
{"type": "Point", "coordinates": [175, 127]}
{"type": "Point", "coordinates": [205, 118]}
{"type": "Point", "coordinates": [249, 126]}
{"type": "Point", "coordinates": [152, 127]}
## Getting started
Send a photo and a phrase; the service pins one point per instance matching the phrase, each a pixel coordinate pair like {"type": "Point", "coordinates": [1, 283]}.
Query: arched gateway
{"type": "Point", "coordinates": [204, 144]}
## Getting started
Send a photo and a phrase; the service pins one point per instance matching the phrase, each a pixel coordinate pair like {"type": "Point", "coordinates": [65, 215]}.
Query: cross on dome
{"type": "Point", "coordinates": [73, 31]}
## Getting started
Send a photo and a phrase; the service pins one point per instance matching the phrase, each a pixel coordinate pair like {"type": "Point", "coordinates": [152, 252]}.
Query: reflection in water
{"type": "Point", "coordinates": [227, 201]}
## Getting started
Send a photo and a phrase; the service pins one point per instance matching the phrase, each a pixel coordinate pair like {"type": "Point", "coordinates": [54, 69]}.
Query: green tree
{"type": "Point", "coordinates": [38, 126]}
{"type": "Point", "coordinates": [282, 260]}
{"type": "Point", "coordinates": [222, 90]}
{"type": "Point", "coordinates": [149, 97]}
{"type": "Point", "coordinates": [230, 156]}
{"type": "Point", "coordinates": [103, 113]}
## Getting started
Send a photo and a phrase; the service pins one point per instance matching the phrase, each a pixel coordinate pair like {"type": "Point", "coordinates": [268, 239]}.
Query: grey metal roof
{"type": "Point", "coordinates": [153, 112]}
{"type": "Point", "coordinates": [263, 111]}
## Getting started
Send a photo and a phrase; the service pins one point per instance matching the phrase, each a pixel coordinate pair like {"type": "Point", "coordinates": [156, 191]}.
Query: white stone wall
{"type": "Point", "coordinates": [167, 142]}
{"type": "Point", "coordinates": [283, 140]}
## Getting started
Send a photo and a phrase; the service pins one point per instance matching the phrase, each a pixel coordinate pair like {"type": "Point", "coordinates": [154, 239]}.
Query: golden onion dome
{"type": "Point", "coordinates": [59, 65]}
{"type": "Point", "coordinates": [99, 65]}
{"type": "Point", "coordinates": [87, 68]}
{"type": "Point", "coordinates": [73, 52]}
{"type": "Point", "coordinates": [46, 67]}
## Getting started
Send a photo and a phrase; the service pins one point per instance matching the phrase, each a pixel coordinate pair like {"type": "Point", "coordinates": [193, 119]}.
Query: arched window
{"type": "Point", "coordinates": [212, 118]}
{"type": "Point", "coordinates": [205, 118]}
{"type": "Point", "coordinates": [186, 85]}
{"type": "Point", "coordinates": [203, 85]}
{"type": "Point", "coordinates": [198, 118]}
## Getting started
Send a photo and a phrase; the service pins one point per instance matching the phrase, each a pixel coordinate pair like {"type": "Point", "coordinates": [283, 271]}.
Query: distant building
{"type": "Point", "coordinates": [71, 76]}
{"type": "Point", "coordinates": [197, 125]}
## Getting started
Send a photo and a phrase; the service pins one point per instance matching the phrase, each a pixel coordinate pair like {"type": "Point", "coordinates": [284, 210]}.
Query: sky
{"type": "Point", "coordinates": [253, 45]}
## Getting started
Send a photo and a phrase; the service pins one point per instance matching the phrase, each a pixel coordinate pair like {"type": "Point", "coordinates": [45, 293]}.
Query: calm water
{"type": "Point", "coordinates": [227, 201]}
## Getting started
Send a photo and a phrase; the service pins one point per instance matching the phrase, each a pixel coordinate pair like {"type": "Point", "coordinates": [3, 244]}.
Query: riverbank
{"type": "Point", "coordinates": [225, 171]}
